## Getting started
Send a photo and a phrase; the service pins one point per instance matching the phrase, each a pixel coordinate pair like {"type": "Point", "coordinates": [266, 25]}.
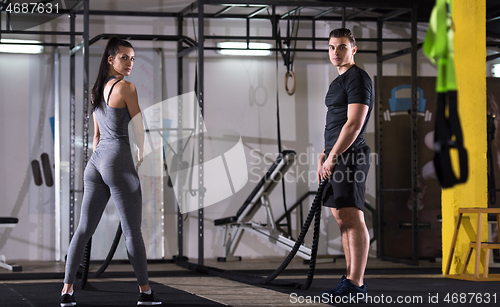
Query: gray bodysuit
{"type": "Point", "coordinates": [111, 172]}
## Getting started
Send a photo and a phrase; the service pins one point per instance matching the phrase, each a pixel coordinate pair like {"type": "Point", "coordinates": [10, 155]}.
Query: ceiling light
{"type": "Point", "coordinates": [20, 46]}
{"type": "Point", "coordinates": [240, 48]}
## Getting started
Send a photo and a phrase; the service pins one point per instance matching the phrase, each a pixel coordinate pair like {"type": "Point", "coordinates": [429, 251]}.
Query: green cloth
{"type": "Point", "coordinates": [438, 45]}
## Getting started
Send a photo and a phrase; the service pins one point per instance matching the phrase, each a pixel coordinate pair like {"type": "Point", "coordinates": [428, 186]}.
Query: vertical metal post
{"type": "Point", "coordinates": [57, 154]}
{"type": "Point", "coordinates": [72, 86]}
{"type": "Point", "coordinates": [248, 33]}
{"type": "Point", "coordinates": [86, 64]}
{"type": "Point", "coordinates": [343, 16]}
{"type": "Point", "coordinates": [201, 98]}
{"type": "Point", "coordinates": [414, 136]}
{"type": "Point", "coordinates": [314, 34]}
{"type": "Point", "coordinates": [378, 139]}
{"type": "Point", "coordinates": [7, 21]}
{"type": "Point", "coordinates": [180, 236]}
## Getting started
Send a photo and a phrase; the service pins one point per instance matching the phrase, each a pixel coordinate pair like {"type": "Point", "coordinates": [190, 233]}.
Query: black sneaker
{"type": "Point", "coordinates": [68, 300]}
{"type": "Point", "coordinates": [334, 289]}
{"type": "Point", "coordinates": [148, 300]}
{"type": "Point", "coordinates": [350, 293]}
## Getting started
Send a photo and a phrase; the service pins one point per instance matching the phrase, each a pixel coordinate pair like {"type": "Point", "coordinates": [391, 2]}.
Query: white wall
{"type": "Point", "coordinates": [240, 94]}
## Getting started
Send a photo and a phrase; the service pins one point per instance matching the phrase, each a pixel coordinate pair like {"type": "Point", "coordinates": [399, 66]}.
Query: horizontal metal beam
{"type": "Point", "coordinates": [492, 57]}
{"type": "Point", "coordinates": [324, 13]}
{"type": "Point", "coordinates": [291, 49]}
{"type": "Point", "coordinates": [395, 13]}
{"type": "Point", "coordinates": [144, 37]}
{"type": "Point", "coordinates": [220, 37]}
{"type": "Point", "coordinates": [40, 32]}
{"type": "Point", "coordinates": [350, 17]}
{"type": "Point", "coordinates": [397, 53]}
{"type": "Point", "coordinates": [314, 3]}
{"type": "Point", "coordinates": [38, 44]}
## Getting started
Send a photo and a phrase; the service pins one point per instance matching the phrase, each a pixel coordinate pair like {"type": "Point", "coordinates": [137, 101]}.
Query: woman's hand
{"type": "Point", "coordinates": [139, 159]}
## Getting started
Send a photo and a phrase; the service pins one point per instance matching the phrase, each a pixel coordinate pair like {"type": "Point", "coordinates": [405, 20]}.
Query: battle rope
{"type": "Point", "coordinates": [86, 258]}
{"type": "Point", "coordinates": [315, 212]}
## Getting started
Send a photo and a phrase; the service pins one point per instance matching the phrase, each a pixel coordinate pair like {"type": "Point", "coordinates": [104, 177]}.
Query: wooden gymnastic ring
{"type": "Point", "coordinates": [287, 75]}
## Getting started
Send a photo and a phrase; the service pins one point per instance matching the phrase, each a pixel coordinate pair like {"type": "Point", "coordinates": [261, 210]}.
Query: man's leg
{"type": "Point", "coordinates": [355, 241]}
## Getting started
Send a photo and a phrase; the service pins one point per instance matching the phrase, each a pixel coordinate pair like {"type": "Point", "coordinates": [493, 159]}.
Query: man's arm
{"type": "Point", "coordinates": [356, 115]}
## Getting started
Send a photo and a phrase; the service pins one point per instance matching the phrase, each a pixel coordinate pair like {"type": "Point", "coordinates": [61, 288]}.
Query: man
{"type": "Point", "coordinates": [346, 160]}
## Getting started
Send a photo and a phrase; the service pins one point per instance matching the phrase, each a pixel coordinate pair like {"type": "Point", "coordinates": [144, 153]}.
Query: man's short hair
{"type": "Point", "coordinates": [343, 32]}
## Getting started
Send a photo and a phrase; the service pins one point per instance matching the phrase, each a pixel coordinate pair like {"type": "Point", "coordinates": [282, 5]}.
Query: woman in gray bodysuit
{"type": "Point", "coordinates": [111, 171]}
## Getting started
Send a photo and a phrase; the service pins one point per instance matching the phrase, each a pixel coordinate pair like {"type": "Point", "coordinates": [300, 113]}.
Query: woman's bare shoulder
{"type": "Point", "coordinates": [126, 87]}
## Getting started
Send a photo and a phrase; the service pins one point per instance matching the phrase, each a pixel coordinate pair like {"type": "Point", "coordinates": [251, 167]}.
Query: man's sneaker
{"type": "Point", "coordinates": [350, 293]}
{"type": "Point", "coordinates": [148, 300]}
{"type": "Point", "coordinates": [68, 300]}
{"type": "Point", "coordinates": [334, 289]}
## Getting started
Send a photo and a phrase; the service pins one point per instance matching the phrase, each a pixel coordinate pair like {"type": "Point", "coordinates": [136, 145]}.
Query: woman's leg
{"type": "Point", "coordinates": [95, 197]}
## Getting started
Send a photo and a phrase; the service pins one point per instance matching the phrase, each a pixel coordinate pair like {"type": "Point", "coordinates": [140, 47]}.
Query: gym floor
{"type": "Point", "coordinates": [39, 284]}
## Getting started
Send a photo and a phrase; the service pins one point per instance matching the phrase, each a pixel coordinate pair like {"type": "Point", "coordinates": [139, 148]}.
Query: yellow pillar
{"type": "Point", "coordinates": [469, 17]}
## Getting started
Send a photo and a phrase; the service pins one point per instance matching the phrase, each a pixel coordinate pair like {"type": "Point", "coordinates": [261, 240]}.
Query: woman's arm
{"type": "Point", "coordinates": [129, 95]}
{"type": "Point", "coordinates": [356, 115]}
{"type": "Point", "coordinates": [97, 134]}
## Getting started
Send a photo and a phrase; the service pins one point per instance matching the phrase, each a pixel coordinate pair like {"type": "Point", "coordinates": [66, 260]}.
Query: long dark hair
{"type": "Point", "coordinates": [112, 48]}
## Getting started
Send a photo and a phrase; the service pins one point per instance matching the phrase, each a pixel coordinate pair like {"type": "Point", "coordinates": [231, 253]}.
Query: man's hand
{"type": "Point", "coordinates": [327, 170]}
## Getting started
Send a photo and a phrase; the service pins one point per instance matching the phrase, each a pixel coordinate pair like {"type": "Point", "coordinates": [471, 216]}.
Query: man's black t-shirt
{"type": "Point", "coordinates": [353, 86]}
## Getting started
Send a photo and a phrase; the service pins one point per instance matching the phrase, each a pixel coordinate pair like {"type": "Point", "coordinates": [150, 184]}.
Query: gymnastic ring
{"type": "Point", "coordinates": [287, 75]}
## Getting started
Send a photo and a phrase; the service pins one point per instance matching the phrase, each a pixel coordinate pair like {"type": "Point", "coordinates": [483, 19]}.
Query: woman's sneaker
{"type": "Point", "coordinates": [148, 300]}
{"type": "Point", "coordinates": [68, 300]}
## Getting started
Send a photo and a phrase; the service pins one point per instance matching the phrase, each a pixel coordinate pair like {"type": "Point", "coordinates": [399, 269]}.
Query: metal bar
{"type": "Point", "coordinates": [297, 204]}
{"type": "Point", "coordinates": [180, 84]}
{"type": "Point", "coordinates": [291, 12]}
{"type": "Point", "coordinates": [291, 49]}
{"type": "Point", "coordinates": [37, 44]}
{"type": "Point", "coordinates": [77, 6]}
{"type": "Point", "coordinates": [257, 12]}
{"type": "Point", "coordinates": [395, 13]}
{"type": "Point", "coordinates": [378, 140]}
{"type": "Point", "coordinates": [223, 11]}
{"type": "Point", "coordinates": [201, 101]}
{"type": "Point", "coordinates": [144, 37]}
{"type": "Point", "coordinates": [350, 17]}
{"type": "Point", "coordinates": [41, 32]}
{"type": "Point", "coordinates": [76, 48]}
{"type": "Point", "coordinates": [7, 21]}
{"type": "Point", "coordinates": [323, 13]}
{"type": "Point", "coordinates": [313, 28]}
{"type": "Point", "coordinates": [343, 16]}
{"type": "Point", "coordinates": [57, 154]}
{"type": "Point", "coordinates": [414, 137]}
{"type": "Point", "coordinates": [492, 57]}
{"type": "Point", "coordinates": [72, 87]}
{"type": "Point", "coordinates": [193, 6]}
{"type": "Point", "coordinates": [86, 65]}
{"type": "Point", "coordinates": [187, 51]}
{"type": "Point", "coordinates": [399, 53]}
{"type": "Point", "coordinates": [240, 37]}
{"type": "Point", "coordinates": [248, 32]}
{"type": "Point", "coordinates": [120, 13]}
{"type": "Point", "coordinates": [313, 3]}
{"type": "Point", "coordinates": [492, 19]}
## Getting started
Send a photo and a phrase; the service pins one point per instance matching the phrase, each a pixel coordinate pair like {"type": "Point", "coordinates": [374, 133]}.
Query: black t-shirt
{"type": "Point", "coordinates": [353, 86]}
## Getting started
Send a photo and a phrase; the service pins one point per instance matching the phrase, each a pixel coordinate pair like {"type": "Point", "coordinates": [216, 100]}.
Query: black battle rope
{"type": "Point", "coordinates": [315, 212]}
{"type": "Point", "coordinates": [86, 258]}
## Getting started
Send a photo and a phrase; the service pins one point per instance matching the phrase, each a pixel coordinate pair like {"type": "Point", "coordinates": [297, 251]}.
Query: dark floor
{"type": "Point", "coordinates": [424, 285]}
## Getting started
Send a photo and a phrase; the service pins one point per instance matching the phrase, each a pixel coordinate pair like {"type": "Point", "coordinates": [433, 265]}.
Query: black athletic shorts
{"type": "Point", "coordinates": [347, 186]}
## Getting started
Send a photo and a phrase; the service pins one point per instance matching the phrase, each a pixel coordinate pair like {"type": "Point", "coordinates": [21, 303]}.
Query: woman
{"type": "Point", "coordinates": [111, 170]}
